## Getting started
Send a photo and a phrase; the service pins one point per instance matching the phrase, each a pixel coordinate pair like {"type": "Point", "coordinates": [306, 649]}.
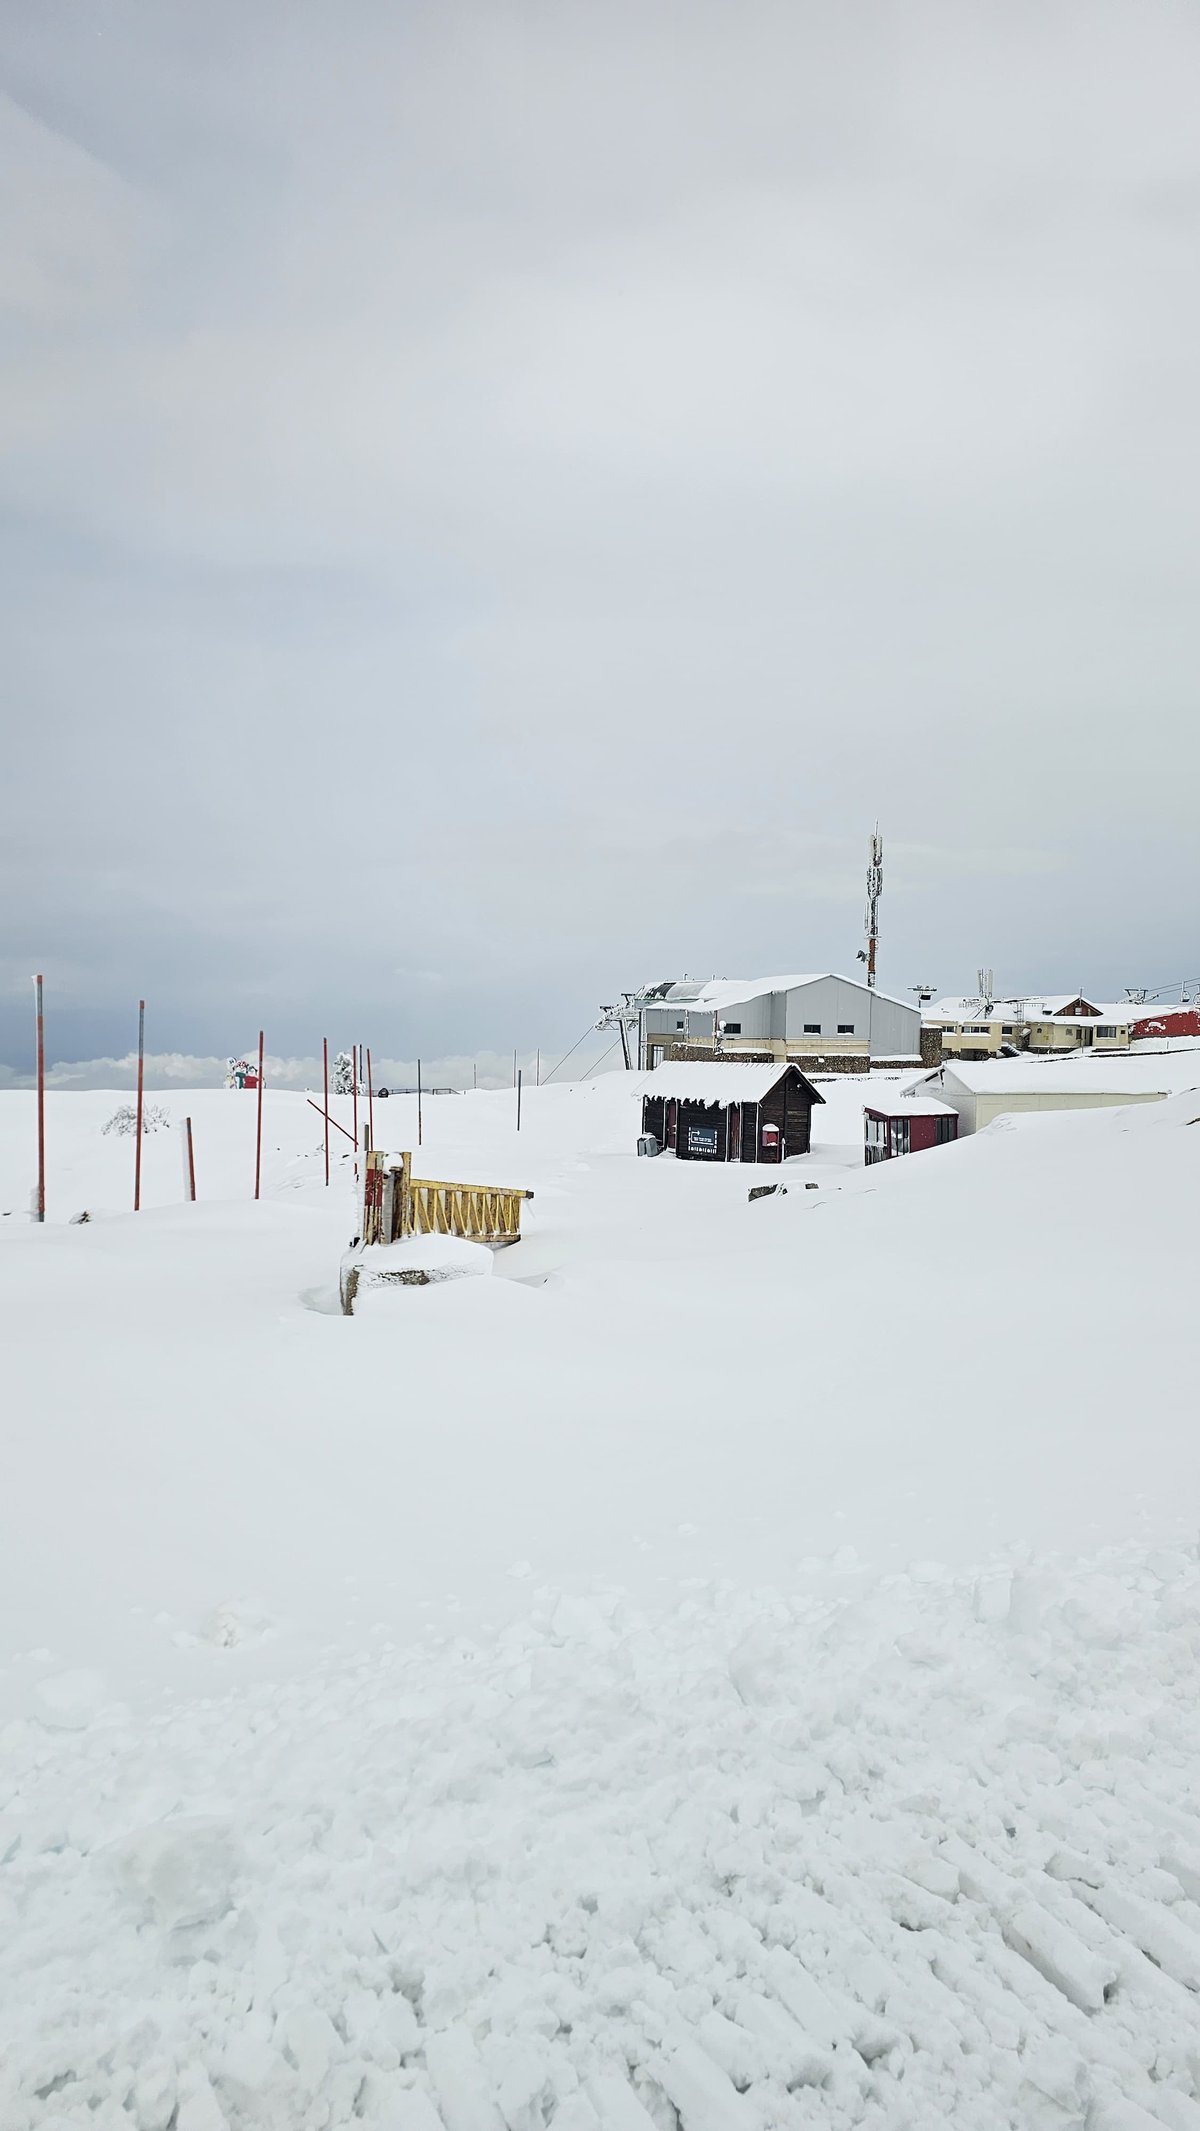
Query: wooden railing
{"type": "Point", "coordinates": [398, 1204]}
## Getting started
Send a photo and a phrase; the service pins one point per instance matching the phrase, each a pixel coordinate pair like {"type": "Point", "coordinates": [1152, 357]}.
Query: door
{"type": "Point", "coordinates": [672, 1124]}
{"type": "Point", "coordinates": [734, 1150]}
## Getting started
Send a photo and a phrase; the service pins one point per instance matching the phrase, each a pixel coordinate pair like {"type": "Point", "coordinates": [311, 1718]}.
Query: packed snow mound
{"type": "Point", "coordinates": [926, 1854]}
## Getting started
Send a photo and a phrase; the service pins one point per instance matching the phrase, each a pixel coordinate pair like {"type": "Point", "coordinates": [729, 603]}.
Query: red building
{"type": "Point", "coordinates": [1170, 1021]}
{"type": "Point", "coordinates": [906, 1124]}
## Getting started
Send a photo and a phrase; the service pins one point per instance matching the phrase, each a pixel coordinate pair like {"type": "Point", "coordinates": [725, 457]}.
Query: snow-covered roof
{"type": "Point", "coordinates": [904, 1105]}
{"type": "Point", "coordinates": [721, 992]}
{"type": "Point", "coordinates": [1092, 1073]}
{"type": "Point", "coordinates": [694, 1080]}
{"type": "Point", "coordinates": [1030, 1007]}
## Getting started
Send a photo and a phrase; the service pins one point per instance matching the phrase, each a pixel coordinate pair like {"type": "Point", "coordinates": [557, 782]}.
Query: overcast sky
{"type": "Point", "coordinates": [495, 499]}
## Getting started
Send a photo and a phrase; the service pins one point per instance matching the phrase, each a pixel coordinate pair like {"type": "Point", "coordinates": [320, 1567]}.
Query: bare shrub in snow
{"type": "Point", "coordinates": [124, 1121]}
{"type": "Point", "coordinates": [343, 1074]}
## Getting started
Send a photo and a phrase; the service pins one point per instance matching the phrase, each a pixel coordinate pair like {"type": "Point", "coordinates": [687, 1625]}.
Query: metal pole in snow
{"type": "Point", "coordinates": [354, 1091]}
{"type": "Point", "coordinates": [420, 1125]}
{"type": "Point", "coordinates": [518, 1102]}
{"type": "Point", "coordinates": [258, 1124]}
{"type": "Point", "coordinates": [370, 1106]}
{"type": "Point", "coordinates": [40, 1208]}
{"type": "Point", "coordinates": [474, 1074]}
{"type": "Point", "coordinates": [191, 1160]}
{"type": "Point", "coordinates": [537, 1070]}
{"type": "Point", "coordinates": [137, 1159]}
{"type": "Point", "coordinates": [325, 1057]}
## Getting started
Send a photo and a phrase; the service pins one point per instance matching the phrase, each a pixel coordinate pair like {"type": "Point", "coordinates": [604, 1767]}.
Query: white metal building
{"type": "Point", "coordinates": [823, 1016]}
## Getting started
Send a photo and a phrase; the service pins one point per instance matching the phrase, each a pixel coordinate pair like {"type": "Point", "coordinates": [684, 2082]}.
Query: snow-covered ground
{"type": "Point", "coordinates": [737, 1662]}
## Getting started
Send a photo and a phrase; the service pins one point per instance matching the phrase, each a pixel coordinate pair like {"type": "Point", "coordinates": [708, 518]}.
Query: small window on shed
{"type": "Point", "coordinates": [812, 1028]}
{"type": "Point", "coordinates": [732, 1028]}
{"type": "Point", "coordinates": [845, 1028]}
{"type": "Point", "coordinates": [679, 1024]}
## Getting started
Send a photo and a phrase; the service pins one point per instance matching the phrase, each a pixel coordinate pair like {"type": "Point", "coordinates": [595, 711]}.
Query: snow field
{"type": "Point", "coordinates": [572, 1700]}
{"type": "Point", "coordinates": [927, 1854]}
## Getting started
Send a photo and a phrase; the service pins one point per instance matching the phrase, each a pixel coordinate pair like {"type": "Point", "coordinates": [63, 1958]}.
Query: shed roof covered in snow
{"type": "Point", "coordinates": [688, 1080]}
{"type": "Point", "coordinates": [903, 1105]}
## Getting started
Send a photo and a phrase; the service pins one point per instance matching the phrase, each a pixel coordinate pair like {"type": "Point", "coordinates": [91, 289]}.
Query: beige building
{"type": "Point", "coordinates": [1014, 1087]}
{"type": "Point", "coordinates": [1066, 1024]}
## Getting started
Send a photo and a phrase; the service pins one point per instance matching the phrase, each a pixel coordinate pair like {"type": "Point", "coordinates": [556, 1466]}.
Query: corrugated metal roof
{"type": "Point", "coordinates": [695, 1080]}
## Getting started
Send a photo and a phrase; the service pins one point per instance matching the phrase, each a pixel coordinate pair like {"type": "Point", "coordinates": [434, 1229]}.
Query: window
{"type": "Point", "coordinates": [978, 1028]}
{"type": "Point", "coordinates": [812, 1028]}
{"type": "Point", "coordinates": [943, 1130]}
{"type": "Point", "coordinates": [1008, 1029]}
{"type": "Point", "coordinates": [679, 1024]}
{"type": "Point", "coordinates": [1107, 1028]}
{"type": "Point", "coordinates": [845, 1028]}
{"type": "Point", "coordinates": [900, 1135]}
{"type": "Point", "coordinates": [732, 1028]}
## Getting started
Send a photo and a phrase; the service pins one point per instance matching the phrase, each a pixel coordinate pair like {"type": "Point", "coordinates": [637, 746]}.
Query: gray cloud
{"type": "Point", "coordinates": [495, 499]}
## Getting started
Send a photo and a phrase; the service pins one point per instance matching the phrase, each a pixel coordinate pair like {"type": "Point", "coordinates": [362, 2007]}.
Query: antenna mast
{"type": "Point", "coordinates": [874, 891]}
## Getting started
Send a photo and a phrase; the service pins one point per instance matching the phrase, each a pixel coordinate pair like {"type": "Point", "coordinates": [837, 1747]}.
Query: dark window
{"type": "Point", "coordinates": [812, 1028]}
{"type": "Point", "coordinates": [1106, 1029]}
{"type": "Point", "coordinates": [845, 1028]}
{"type": "Point", "coordinates": [900, 1135]}
{"type": "Point", "coordinates": [732, 1028]}
{"type": "Point", "coordinates": [943, 1130]}
{"type": "Point", "coordinates": [679, 1024]}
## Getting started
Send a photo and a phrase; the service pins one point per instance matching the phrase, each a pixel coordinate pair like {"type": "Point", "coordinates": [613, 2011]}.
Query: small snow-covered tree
{"type": "Point", "coordinates": [343, 1074]}
{"type": "Point", "coordinates": [124, 1121]}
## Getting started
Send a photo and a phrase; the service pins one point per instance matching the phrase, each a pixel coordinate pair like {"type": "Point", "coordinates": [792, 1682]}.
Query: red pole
{"type": "Point", "coordinates": [258, 1126]}
{"type": "Point", "coordinates": [370, 1102]}
{"type": "Point", "coordinates": [325, 1114]}
{"type": "Point", "coordinates": [191, 1155]}
{"type": "Point", "coordinates": [354, 1092]}
{"type": "Point", "coordinates": [137, 1159]}
{"type": "Point", "coordinates": [325, 1056]}
{"type": "Point", "coordinates": [40, 1214]}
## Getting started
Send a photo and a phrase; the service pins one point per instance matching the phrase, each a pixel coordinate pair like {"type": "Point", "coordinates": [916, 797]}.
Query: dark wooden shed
{"type": "Point", "coordinates": [730, 1113]}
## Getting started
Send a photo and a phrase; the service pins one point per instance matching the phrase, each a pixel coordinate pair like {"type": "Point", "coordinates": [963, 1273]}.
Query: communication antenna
{"type": "Point", "coordinates": [924, 992]}
{"type": "Point", "coordinates": [874, 891]}
{"type": "Point", "coordinates": [986, 980]}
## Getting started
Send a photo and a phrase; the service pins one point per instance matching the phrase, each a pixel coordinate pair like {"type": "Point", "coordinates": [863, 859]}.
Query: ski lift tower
{"type": "Point", "coordinates": [623, 1017]}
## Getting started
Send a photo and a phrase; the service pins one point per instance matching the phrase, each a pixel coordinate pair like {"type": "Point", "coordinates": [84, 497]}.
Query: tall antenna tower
{"type": "Point", "coordinates": [874, 891]}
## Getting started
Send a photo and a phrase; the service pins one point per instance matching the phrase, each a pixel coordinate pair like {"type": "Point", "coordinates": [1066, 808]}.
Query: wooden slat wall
{"type": "Point", "coordinates": [398, 1204]}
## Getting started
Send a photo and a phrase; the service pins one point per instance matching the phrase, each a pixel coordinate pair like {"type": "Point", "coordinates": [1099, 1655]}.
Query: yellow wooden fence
{"type": "Point", "coordinates": [398, 1204]}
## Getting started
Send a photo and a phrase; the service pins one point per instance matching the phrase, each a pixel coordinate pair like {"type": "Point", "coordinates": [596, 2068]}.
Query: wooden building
{"type": "Point", "coordinates": [905, 1124]}
{"type": "Point", "coordinates": [729, 1113]}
